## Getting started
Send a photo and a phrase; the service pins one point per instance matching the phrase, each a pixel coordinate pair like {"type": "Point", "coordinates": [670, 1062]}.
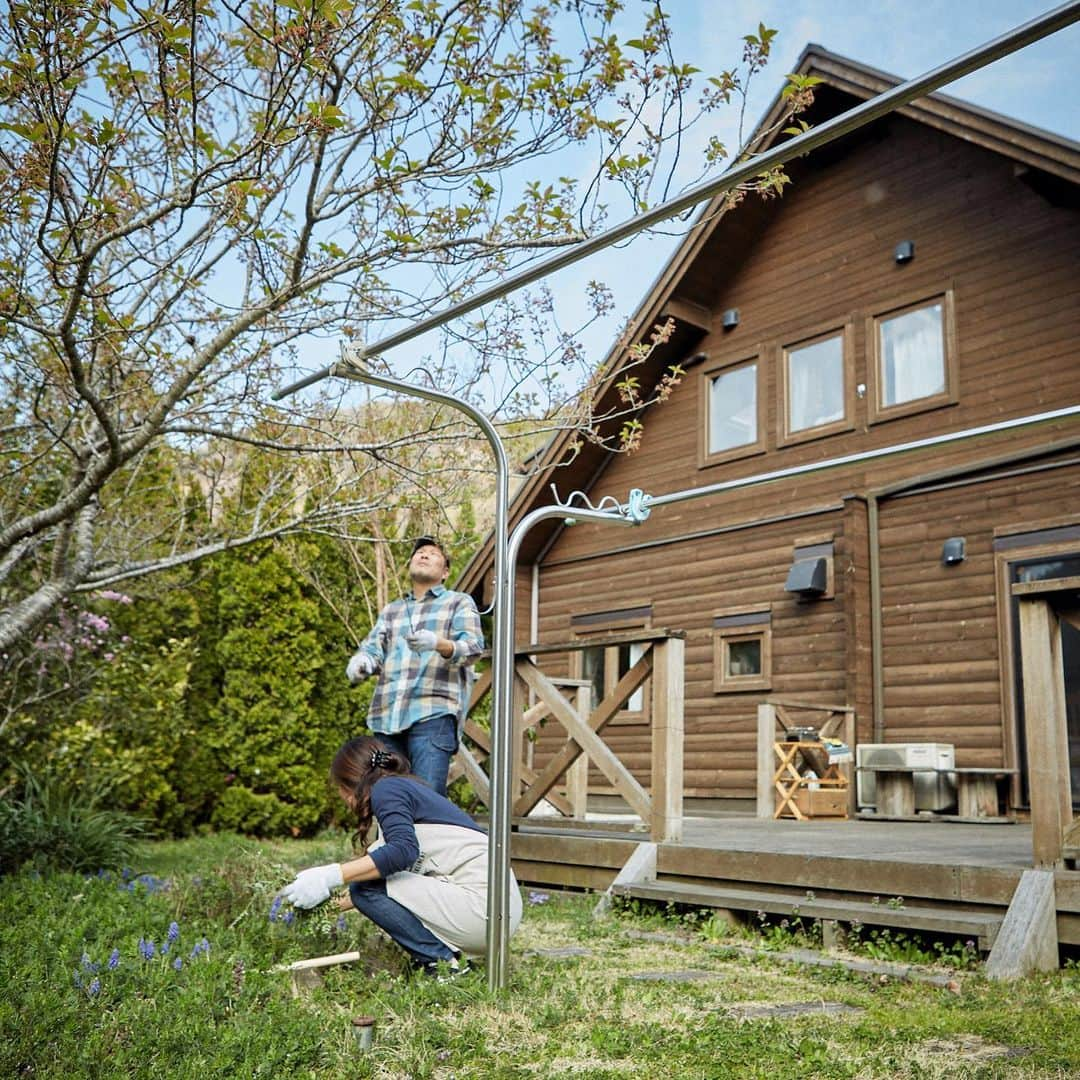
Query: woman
{"type": "Point", "coordinates": [425, 880]}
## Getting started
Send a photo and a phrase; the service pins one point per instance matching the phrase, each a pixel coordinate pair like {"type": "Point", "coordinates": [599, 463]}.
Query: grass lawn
{"type": "Point", "coordinates": [166, 971]}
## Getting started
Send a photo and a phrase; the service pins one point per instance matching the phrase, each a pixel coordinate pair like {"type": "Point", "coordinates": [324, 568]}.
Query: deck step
{"type": "Point", "coordinates": [980, 925]}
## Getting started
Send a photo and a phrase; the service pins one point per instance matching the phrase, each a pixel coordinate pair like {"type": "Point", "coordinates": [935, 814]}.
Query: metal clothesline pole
{"type": "Point", "coordinates": [884, 103]}
{"type": "Point", "coordinates": [502, 653]}
{"type": "Point", "coordinates": [498, 930]}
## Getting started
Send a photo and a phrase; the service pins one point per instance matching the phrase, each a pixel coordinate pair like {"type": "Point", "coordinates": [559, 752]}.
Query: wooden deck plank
{"type": "Point", "coordinates": [845, 873]}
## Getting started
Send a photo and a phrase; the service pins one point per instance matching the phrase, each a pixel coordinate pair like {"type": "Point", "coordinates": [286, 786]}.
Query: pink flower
{"type": "Point", "coordinates": [112, 594]}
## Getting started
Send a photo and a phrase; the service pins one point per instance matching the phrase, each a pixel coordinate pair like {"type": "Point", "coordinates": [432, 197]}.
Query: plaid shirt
{"type": "Point", "coordinates": [417, 686]}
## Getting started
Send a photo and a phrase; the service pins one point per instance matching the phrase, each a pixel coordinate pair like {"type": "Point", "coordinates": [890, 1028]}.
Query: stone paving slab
{"type": "Point", "coordinates": [756, 1010]}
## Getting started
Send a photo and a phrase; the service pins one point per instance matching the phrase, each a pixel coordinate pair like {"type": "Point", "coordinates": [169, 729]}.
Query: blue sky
{"type": "Point", "coordinates": [902, 37]}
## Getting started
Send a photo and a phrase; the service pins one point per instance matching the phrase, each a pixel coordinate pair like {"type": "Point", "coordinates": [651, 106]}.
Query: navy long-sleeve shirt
{"type": "Point", "coordinates": [400, 804]}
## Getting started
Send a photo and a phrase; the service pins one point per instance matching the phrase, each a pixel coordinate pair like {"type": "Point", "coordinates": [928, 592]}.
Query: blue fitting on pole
{"type": "Point", "coordinates": [635, 508]}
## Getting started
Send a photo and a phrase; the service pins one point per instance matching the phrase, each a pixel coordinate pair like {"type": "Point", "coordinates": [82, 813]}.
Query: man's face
{"type": "Point", "coordinates": [428, 564]}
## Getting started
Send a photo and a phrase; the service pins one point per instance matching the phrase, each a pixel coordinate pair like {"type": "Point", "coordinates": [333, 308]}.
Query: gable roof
{"type": "Point", "coordinates": [1050, 163]}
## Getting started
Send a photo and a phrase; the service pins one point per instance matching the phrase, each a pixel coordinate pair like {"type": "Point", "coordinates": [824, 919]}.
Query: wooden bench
{"type": "Point", "coordinates": [976, 793]}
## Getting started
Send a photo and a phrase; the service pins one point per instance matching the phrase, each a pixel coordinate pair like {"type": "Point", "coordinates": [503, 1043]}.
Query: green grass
{"type": "Point", "coordinates": [225, 1013]}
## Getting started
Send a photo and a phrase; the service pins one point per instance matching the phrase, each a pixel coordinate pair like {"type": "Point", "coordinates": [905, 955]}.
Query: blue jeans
{"type": "Point", "coordinates": [429, 746]}
{"type": "Point", "coordinates": [370, 897]}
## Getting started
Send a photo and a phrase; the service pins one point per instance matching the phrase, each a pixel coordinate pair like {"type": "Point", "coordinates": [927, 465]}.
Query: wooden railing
{"type": "Point", "coordinates": [568, 702]}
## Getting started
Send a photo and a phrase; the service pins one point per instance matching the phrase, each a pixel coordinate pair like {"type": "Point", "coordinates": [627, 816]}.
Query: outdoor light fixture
{"type": "Point", "coordinates": [730, 319]}
{"type": "Point", "coordinates": [953, 551]}
{"type": "Point", "coordinates": [904, 252]}
{"type": "Point", "coordinates": [809, 578]}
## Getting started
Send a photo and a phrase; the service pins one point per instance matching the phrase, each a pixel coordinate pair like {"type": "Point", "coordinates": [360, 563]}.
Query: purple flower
{"type": "Point", "coordinates": [538, 898]}
{"type": "Point", "coordinates": [114, 959]}
{"type": "Point", "coordinates": [288, 918]}
{"type": "Point", "coordinates": [178, 963]}
{"type": "Point", "coordinates": [94, 987]}
{"type": "Point", "coordinates": [275, 907]}
{"type": "Point", "coordinates": [174, 931]}
{"type": "Point", "coordinates": [340, 924]}
{"type": "Point", "coordinates": [147, 949]}
{"type": "Point", "coordinates": [200, 947]}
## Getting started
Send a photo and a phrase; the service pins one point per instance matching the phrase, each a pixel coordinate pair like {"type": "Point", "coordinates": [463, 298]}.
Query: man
{"type": "Point", "coordinates": [422, 647]}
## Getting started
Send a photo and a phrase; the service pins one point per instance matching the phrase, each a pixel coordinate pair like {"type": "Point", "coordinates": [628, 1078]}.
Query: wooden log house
{"type": "Point", "coordinates": [918, 278]}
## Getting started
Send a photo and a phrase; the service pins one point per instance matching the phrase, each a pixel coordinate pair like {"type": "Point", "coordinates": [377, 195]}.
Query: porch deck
{"type": "Point", "coordinates": [944, 843]}
{"type": "Point", "coordinates": [939, 876]}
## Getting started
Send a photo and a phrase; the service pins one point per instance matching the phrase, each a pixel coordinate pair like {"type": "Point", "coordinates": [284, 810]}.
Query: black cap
{"type": "Point", "coordinates": [429, 541]}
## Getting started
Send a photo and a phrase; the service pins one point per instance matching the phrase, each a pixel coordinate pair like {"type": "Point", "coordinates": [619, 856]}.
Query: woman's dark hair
{"type": "Point", "coordinates": [356, 767]}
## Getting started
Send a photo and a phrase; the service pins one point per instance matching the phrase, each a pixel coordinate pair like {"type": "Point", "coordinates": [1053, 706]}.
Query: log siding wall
{"type": "Point", "coordinates": [1010, 259]}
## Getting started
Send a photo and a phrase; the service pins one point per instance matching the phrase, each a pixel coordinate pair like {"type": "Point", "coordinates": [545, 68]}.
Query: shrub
{"type": "Point", "coordinates": [282, 706]}
{"type": "Point", "coordinates": [65, 828]}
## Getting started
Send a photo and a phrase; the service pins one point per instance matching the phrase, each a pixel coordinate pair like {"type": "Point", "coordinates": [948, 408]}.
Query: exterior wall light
{"type": "Point", "coordinates": [730, 318]}
{"type": "Point", "coordinates": [953, 551]}
{"type": "Point", "coordinates": [904, 252]}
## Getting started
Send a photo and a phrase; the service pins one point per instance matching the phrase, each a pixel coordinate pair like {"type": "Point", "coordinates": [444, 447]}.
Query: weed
{"type": "Point", "coordinates": [54, 825]}
{"type": "Point", "coordinates": [900, 947]}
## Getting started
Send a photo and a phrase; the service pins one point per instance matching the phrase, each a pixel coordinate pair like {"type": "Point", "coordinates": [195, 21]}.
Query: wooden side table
{"type": "Point", "coordinates": [798, 799]}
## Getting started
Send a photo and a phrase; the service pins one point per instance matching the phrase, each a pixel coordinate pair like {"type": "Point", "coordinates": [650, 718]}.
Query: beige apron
{"type": "Point", "coordinates": [447, 887]}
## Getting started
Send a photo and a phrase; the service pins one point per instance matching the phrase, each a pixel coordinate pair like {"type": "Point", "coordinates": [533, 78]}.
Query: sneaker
{"type": "Point", "coordinates": [446, 972]}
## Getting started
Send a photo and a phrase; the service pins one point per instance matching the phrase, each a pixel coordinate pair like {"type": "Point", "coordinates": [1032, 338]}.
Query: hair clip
{"type": "Point", "coordinates": [380, 759]}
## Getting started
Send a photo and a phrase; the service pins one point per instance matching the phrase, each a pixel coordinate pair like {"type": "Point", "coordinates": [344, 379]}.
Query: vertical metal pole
{"type": "Point", "coordinates": [502, 740]}
{"type": "Point", "coordinates": [502, 663]}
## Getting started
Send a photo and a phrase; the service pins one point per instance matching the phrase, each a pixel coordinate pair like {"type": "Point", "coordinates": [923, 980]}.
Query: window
{"type": "Point", "coordinates": [734, 421]}
{"type": "Point", "coordinates": [609, 660]}
{"type": "Point", "coordinates": [913, 361]}
{"type": "Point", "coordinates": [816, 386]}
{"type": "Point", "coordinates": [742, 650]}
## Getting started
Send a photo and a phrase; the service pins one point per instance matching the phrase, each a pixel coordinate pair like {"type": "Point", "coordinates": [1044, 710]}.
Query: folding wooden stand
{"type": "Point", "coordinates": [803, 797]}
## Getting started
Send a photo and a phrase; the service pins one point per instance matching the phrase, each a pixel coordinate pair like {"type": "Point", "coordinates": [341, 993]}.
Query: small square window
{"type": "Point", "coordinates": [742, 651]}
{"type": "Point", "coordinates": [733, 422]}
{"type": "Point", "coordinates": [816, 393]}
{"type": "Point", "coordinates": [913, 358]}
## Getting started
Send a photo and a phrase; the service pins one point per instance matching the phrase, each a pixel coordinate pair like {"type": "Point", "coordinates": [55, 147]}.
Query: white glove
{"type": "Point", "coordinates": [311, 887]}
{"type": "Point", "coordinates": [360, 666]}
{"type": "Point", "coordinates": [422, 640]}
